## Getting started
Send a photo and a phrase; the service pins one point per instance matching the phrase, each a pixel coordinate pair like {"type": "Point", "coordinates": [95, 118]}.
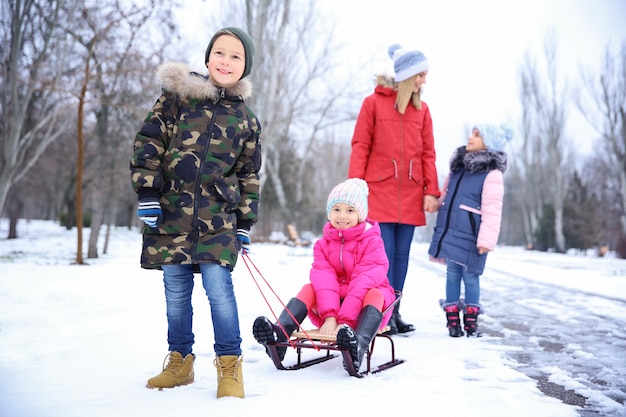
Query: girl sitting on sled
{"type": "Point", "coordinates": [348, 289]}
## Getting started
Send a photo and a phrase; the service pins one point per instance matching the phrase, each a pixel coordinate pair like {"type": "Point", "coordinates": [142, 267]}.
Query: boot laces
{"type": "Point", "coordinates": [227, 370]}
{"type": "Point", "coordinates": [173, 363]}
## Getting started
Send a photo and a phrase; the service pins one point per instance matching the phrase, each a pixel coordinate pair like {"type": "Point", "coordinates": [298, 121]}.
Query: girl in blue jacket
{"type": "Point", "coordinates": [468, 222]}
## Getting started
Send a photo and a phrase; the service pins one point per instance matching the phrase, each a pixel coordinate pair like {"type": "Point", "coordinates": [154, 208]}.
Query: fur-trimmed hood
{"type": "Point", "coordinates": [475, 162]}
{"type": "Point", "coordinates": [385, 80]}
{"type": "Point", "coordinates": [178, 78]}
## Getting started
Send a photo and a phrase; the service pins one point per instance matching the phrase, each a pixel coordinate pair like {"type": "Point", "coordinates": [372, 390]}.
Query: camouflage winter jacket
{"type": "Point", "coordinates": [199, 152]}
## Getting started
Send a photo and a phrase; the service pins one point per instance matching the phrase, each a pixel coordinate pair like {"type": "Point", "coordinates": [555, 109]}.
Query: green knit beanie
{"type": "Point", "coordinates": [246, 40]}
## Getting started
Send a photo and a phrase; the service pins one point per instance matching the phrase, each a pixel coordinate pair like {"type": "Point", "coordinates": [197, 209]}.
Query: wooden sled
{"type": "Point", "coordinates": [328, 344]}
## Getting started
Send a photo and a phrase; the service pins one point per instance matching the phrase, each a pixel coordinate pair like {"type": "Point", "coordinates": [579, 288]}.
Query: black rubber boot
{"type": "Point", "coordinates": [470, 320]}
{"type": "Point", "coordinates": [454, 320]}
{"type": "Point", "coordinates": [401, 325]}
{"type": "Point", "coordinates": [264, 331]}
{"type": "Point", "coordinates": [358, 341]}
{"type": "Point", "coordinates": [393, 327]}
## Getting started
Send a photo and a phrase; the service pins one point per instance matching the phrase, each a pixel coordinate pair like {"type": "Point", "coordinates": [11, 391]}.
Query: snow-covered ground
{"type": "Point", "coordinates": [79, 341]}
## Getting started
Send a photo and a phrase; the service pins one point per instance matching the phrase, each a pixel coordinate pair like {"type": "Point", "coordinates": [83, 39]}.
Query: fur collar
{"type": "Point", "coordinates": [178, 78]}
{"type": "Point", "coordinates": [384, 80]}
{"type": "Point", "coordinates": [476, 162]}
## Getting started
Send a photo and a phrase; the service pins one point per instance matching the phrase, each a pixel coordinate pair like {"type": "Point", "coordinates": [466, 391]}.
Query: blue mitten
{"type": "Point", "coordinates": [243, 236]}
{"type": "Point", "coordinates": [149, 211]}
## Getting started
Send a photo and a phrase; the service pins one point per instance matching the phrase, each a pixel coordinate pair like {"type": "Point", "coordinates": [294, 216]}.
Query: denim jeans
{"type": "Point", "coordinates": [218, 285]}
{"type": "Point", "coordinates": [397, 238]}
{"type": "Point", "coordinates": [454, 274]}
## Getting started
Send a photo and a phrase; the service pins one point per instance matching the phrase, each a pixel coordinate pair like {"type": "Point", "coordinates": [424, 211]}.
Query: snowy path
{"type": "Point", "coordinates": [80, 341]}
{"type": "Point", "coordinates": [568, 331]}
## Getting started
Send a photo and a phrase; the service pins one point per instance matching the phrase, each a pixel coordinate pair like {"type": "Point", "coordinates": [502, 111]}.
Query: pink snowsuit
{"type": "Point", "coordinates": [346, 265]}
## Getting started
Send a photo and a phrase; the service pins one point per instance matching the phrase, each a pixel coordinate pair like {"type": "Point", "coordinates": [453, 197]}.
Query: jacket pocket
{"type": "Point", "coordinates": [416, 173]}
{"type": "Point", "coordinates": [470, 221]}
{"type": "Point", "coordinates": [172, 187]}
{"type": "Point", "coordinates": [381, 170]}
{"type": "Point", "coordinates": [228, 191]}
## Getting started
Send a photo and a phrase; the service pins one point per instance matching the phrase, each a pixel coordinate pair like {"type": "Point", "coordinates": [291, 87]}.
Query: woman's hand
{"type": "Point", "coordinates": [431, 203]}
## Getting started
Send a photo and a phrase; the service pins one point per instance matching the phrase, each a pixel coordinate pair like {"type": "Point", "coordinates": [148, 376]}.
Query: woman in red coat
{"type": "Point", "coordinates": [393, 149]}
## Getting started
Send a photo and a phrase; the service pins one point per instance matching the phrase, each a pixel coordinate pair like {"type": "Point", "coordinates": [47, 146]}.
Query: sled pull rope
{"type": "Point", "coordinates": [248, 262]}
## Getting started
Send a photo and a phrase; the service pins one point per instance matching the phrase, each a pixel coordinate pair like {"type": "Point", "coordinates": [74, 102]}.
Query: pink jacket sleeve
{"type": "Point", "coordinates": [491, 209]}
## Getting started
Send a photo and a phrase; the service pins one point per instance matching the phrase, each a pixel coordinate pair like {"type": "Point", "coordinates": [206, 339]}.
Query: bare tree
{"type": "Point", "coordinates": [599, 174]}
{"type": "Point", "coordinates": [109, 35]}
{"type": "Point", "coordinates": [545, 153]}
{"type": "Point", "coordinates": [552, 117]}
{"type": "Point", "coordinates": [32, 65]}
{"type": "Point", "coordinates": [607, 90]}
{"type": "Point", "coordinates": [525, 172]}
{"type": "Point", "coordinates": [299, 95]}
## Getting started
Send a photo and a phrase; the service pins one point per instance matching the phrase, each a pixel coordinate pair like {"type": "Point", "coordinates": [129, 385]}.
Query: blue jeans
{"type": "Point", "coordinates": [397, 238]}
{"type": "Point", "coordinates": [218, 285]}
{"type": "Point", "coordinates": [454, 274]}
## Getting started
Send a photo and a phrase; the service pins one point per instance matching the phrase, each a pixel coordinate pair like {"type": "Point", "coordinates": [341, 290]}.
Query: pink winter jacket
{"type": "Point", "coordinates": [346, 264]}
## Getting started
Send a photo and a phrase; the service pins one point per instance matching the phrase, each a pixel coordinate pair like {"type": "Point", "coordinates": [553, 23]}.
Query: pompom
{"type": "Point", "coordinates": [508, 132]}
{"type": "Point", "coordinates": [392, 49]}
{"type": "Point", "coordinates": [406, 63]}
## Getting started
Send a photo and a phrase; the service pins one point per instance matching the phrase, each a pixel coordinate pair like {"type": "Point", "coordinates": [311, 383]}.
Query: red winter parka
{"type": "Point", "coordinates": [395, 154]}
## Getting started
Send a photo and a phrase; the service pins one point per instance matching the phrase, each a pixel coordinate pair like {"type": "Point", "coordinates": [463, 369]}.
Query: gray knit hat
{"type": "Point", "coordinates": [246, 40]}
{"type": "Point", "coordinates": [406, 63]}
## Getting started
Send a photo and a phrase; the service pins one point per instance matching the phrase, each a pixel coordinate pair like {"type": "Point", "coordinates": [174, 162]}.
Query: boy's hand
{"type": "Point", "coordinates": [243, 236]}
{"type": "Point", "coordinates": [149, 211]}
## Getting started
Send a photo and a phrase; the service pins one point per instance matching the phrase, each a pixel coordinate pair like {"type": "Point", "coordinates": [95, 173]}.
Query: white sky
{"type": "Point", "coordinates": [475, 49]}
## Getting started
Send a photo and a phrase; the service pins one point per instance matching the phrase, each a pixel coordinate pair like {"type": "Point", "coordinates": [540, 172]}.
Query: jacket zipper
{"type": "Point", "coordinates": [399, 177]}
{"type": "Point", "coordinates": [449, 213]}
{"type": "Point", "coordinates": [341, 250]}
{"type": "Point", "coordinates": [197, 190]}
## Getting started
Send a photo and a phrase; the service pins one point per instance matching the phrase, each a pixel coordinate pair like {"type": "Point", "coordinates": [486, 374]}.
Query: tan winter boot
{"type": "Point", "coordinates": [229, 376]}
{"type": "Point", "coordinates": [178, 371]}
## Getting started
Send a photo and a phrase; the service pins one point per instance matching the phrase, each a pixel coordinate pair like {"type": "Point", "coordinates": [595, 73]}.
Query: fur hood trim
{"type": "Point", "coordinates": [178, 78]}
{"type": "Point", "coordinates": [477, 162]}
{"type": "Point", "coordinates": [384, 80]}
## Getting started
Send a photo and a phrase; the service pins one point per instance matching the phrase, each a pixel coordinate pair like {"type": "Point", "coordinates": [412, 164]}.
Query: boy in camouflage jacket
{"type": "Point", "coordinates": [195, 169]}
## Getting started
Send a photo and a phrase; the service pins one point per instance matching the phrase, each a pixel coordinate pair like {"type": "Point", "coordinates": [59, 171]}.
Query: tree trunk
{"type": "Point", "coordinates": [14, 212]}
